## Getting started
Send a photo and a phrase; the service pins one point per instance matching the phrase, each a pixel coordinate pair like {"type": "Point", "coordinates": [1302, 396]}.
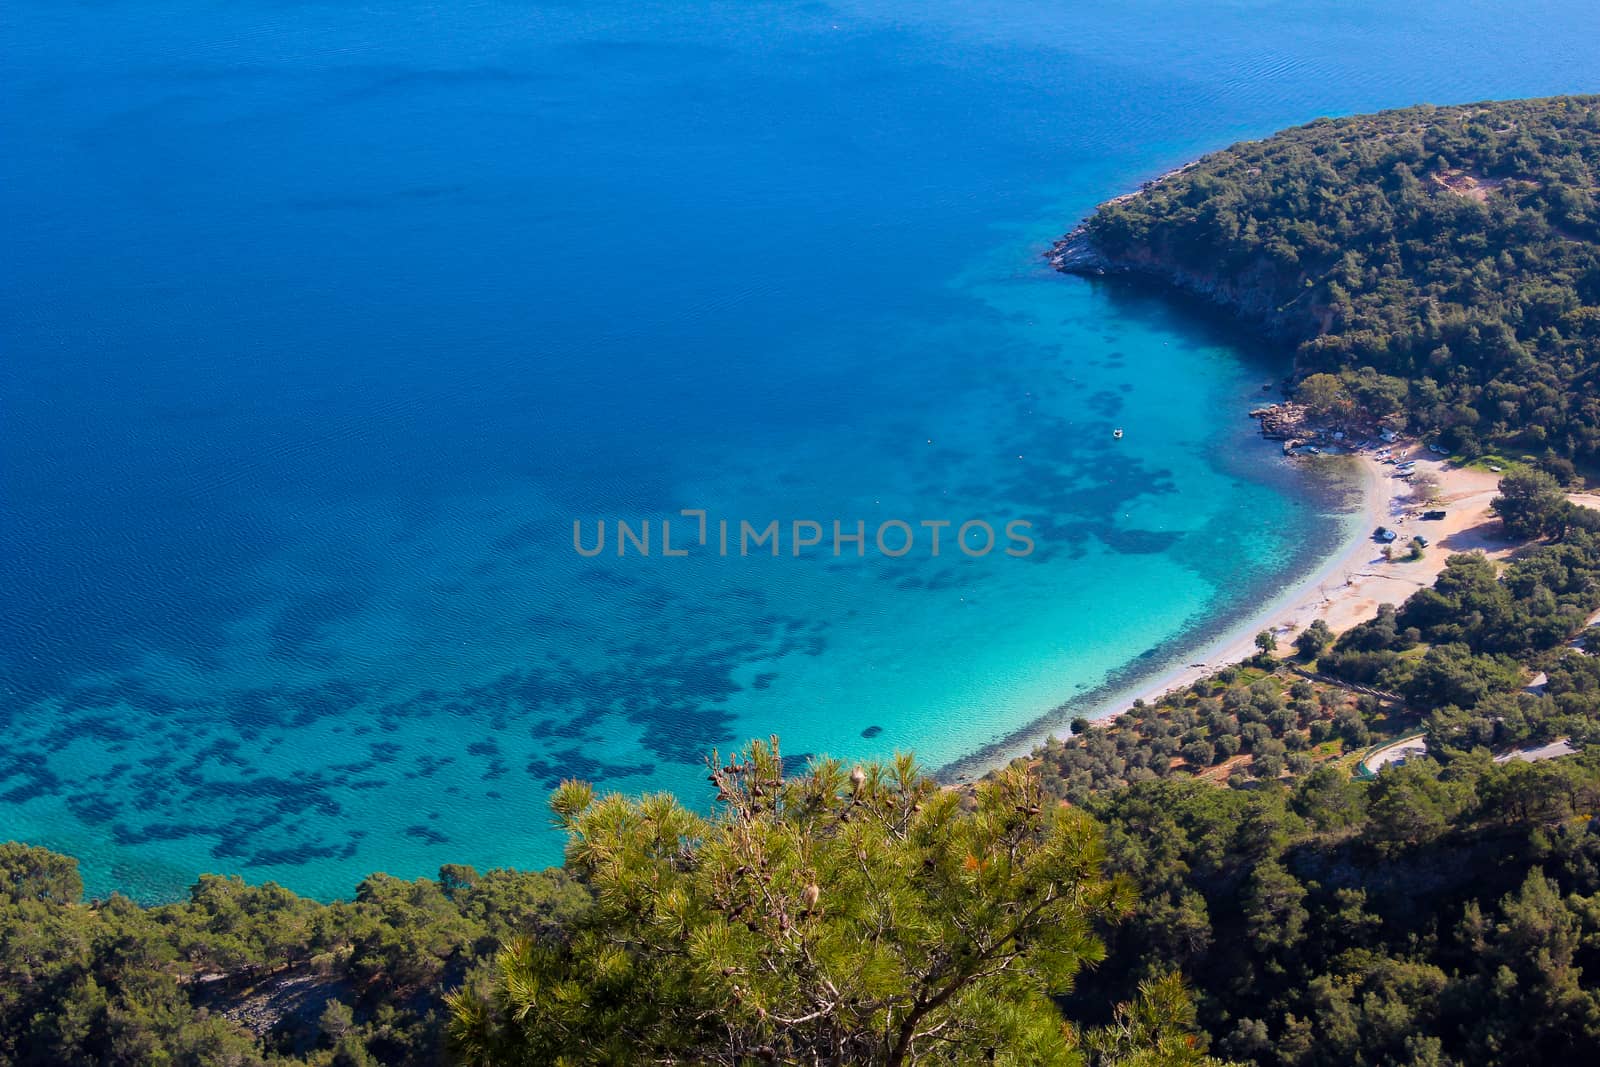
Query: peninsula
{"type": "Point", "coordinates": [1444, 262]}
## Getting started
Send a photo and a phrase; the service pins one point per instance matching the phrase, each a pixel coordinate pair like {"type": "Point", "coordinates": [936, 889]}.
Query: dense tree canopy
{"type": "Point", "coordinates": [869, 917]}
{"type": "Point", "coordinates": [239, 974]}
{"type": "Point", "coordinates": [1454, 249]}
{"type": "Point", "coordinates": [1435, 917]}
{"type": "Point", "coordinates": [1533, 504]}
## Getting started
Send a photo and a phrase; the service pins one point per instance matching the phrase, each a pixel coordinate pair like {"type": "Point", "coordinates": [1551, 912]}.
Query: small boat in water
{"type": "Point", "coordinates": [1117, 433]}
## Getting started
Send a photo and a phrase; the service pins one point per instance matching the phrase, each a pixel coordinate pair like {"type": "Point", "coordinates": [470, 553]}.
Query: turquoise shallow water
{"type": "Point", "coordinates": [325, 323]}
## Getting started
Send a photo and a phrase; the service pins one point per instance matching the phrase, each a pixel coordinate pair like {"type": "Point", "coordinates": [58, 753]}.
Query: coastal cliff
{"type": "Point", "coordinates": [1454, 251]}
{"type": "Point", "coordinates": [1247, 293]}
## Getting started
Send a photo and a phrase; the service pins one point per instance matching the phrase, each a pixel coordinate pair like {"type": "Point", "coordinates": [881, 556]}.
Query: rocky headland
{"type": "Point", "coordinates": [1247, 293]}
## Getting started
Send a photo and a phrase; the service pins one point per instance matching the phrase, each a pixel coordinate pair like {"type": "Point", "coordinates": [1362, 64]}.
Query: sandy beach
{"type": "Point", "coordinates": [1344, 592]}
{"type": "Point", "coordinates": [1347, 590]}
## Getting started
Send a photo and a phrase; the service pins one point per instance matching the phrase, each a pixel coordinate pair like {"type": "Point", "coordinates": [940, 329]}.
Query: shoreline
{"type": "Point", "coordinates": [1343, 591]}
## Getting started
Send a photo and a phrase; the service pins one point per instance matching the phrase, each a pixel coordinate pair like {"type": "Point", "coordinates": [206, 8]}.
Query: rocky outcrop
{"type": "Point", "coordinates": [1282, 422]}
{"type": "Point", "coordinates": [1076, 254]}
{"type": "Point", "coordinates": [1249, 293]}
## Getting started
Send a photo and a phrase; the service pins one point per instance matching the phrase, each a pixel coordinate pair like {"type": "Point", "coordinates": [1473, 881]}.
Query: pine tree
{"type": "Point", "coordinates": [866, 916]}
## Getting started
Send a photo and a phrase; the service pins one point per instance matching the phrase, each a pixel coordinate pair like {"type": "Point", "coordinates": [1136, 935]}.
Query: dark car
{"type": "Point", "coordinates": [1433, 514]}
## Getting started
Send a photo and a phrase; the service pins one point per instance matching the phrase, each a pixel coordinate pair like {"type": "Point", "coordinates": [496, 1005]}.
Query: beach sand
{"type": "Point", "coordinates": [1348, 589]}
{"type": "Point", "coordinates": [1344, 592]}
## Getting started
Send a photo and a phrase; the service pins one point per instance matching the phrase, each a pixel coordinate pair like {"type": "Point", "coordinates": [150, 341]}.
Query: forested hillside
{"type": "Point", "coordinates": [1445, 910]}
{"type": "Point", "coordinates": [860, 916]}
{"type": "Point", "coordinates": [1455, 248]}
{"type": "Point", "coordinates": [239, 974]}
{"type": "Point", "coordinates": [1439, 915]}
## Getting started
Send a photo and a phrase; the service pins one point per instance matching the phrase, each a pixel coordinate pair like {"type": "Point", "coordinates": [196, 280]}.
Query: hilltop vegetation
{"type": "Point", "coordinates": [823, 917]}
{"type": "Point", "coordinates": [1443, 261]}
{"type": "Point", "coordinates": [868, 917]}
{"type": "Point", "coordinates": [241, 974]}
{"type": "Point", "coordinates": [1438, 915]}
{"type": "Point", "coordinates": [864, 917]}
{"type": "Point", "coordinates": [1435, 916]}
{"type": "Point", "coordinates": [1445, 912]}
{"type": "Point", "coordinates": [1453, 661]}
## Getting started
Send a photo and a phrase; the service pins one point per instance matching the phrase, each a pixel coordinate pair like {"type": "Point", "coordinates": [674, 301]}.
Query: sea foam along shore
{"type": "Point", "coordinates": [1345, 590]}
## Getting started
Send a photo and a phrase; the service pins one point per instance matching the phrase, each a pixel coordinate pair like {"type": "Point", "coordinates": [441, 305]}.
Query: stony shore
{"type": "Point", "coordinates": [1241, 292]}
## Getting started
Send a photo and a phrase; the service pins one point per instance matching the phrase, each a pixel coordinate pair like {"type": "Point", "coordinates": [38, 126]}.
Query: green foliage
{"type": "Point", "coordinates": [37, 874]}
{"type": "Point", "coordinates": [1531, 504]}
{"type": "Point", "coordinates": [1325, 395]}
{"type": "Point", "coordinates": [1454, 674]}
{"type": "Point", "coordinates": [1454, 251]}
{"type": "Point", "coordinates": [1411, 804]}
{"type": "Point", "coordinates": [1154, 1030]}
{"type": "Point", "coordinates": [113, 983]}
{"type": "Point", "coordinates": [1487, 633]}
{"type": "Point", "coordinates": [1434, 916]}
{"type": "Point", "coordinates": [1447, 912]}
{"type": "Point", "coordinates": [1195, 729]}
{"type": "Point", "coordinates": [1440, 914]}
{"type": "Point", "coordinates": [868, 917]}
{"type": "Point", "coordinates": [1314, 639]}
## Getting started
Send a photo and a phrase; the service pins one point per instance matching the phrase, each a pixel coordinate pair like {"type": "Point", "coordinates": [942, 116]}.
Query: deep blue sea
{"type": "Point", "coordinates": [321, 323]}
